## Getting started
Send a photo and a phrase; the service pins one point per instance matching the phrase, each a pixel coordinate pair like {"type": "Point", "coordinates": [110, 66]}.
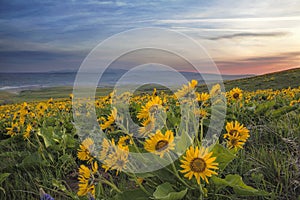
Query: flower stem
{"type": "Point", "coordinates": [176, 172]}
{"type": "Point", "coordinates": [201, 130]}
{"type": "Point", "coordinates": [111, 185]}
{"type": "Point", "coordinates": [201, 192]}
{"type": "Point", "coordinates": [140, 185]}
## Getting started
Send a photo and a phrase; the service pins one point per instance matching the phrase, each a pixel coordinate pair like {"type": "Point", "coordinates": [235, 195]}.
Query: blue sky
{"type": "Point", "coordinates": [243, 37]}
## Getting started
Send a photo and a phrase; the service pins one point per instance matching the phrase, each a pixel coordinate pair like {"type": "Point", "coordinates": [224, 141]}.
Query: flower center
{"type": "Point", "coordinates": [234, 141]}
{"type": "Point", "coordinates": [153, 109]}
{"type": "Point", "coordinates": [120, 163]}
{"type": "Point", "coordinates": [161, 145]}
{"type": "Point", "coordinates": [15, 129]}
{"type": "Point", "coordinates": [233, 132]}
{"type": "Point", "coordinates": [236, 95]}
{"type": "Point", "coordinates": [198, 165]}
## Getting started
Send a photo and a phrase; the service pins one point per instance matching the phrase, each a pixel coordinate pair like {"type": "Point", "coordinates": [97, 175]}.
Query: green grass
{"type": "Point", "coordinates": [43, 94]}
{"type": "Point", "coordinates": [277, 80]}
{"type": "Point", "coordinates": [270, 160]}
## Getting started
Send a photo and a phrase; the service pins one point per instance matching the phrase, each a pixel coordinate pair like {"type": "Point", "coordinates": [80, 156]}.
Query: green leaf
{"type": "Point", "coordinates": [145, 175]}
{"type": "Point", "coordinates": [32, 160]}
{"type": "Point", "coordinates": [137, 194]}
{"type": "Point", "coordinates": [70, 141]}
{"type": "Point", "coordinates": [182, 141]}
{"type": "Point", "coordinates": [11, 159]}
{"type": "Point", "coordinates": [59, 184]}
{"type": "Point", "coordinates": [239, 187]}
{"type": "Point", "coordinates": [47, 135]}
{"type": "Point", "coordinates": [164, 175]}
{"type": "Point", "coordinates": [3, 176]}
{"type": "Point", "coordinates": [224, 156]}
{"type": "Point", "coordinates": [99, 190]}
{"type": "Point", "coordinates": [165, 191]}
{"type": "Point", "coordinates": [13, 154]}
{"type": "Point", "coordinates": [2, 189]}
{"type": "Point", "coordinates": [281, 111]}
{"type": "Point", "coordinates": [262, 108]}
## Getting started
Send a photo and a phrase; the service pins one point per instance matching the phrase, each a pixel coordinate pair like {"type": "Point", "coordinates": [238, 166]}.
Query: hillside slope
{"type": "Point", "coordinates": [277, 80]}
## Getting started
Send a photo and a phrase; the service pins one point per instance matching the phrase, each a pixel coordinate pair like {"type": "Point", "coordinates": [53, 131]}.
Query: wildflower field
{"type": "Point", "coordinates": [256, 156]}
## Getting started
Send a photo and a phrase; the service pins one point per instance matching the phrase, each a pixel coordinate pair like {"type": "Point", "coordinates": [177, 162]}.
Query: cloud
{"type": "Point", "coordinates": [222, 20]}
{"type": "Point", "coordinates": [260, 64]}
{"type": "Point", "coordinates": [61, 29]}
{"type": "Point", "coordinates": [32, 61]}
{"type": "Point", "coordinates": [248, 35]}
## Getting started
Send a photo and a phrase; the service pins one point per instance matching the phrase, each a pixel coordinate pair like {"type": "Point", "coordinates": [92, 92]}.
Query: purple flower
{"type": "Point", "coordinates": [47, 197]}
{"type": "Point", "coordinates": [44, 195]}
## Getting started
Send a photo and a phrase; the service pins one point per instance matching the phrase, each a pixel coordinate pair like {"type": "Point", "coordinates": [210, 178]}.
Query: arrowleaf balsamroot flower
{"type": "Point", "coordinates": [14, 129]}
{"type": "Point", "coordinates": [27, 132]}
{"type": "Point", "coordinates": [84, 151]}
{"type": "Point", "coordinates": [160, 144]}
{"type": "Point", "coordinates": [187, 90]}
{"type": "Point", "coordinates": [235, 94]}
{"type": "Point", "coordinates": [116, 160]}
{"type": "Point", "coordinates": [215, 91]}
{"type": "Point", "coordinates": [235, 142]}
{"type": "Point", "coordinates": [114, 157]}
{"type": "Point", "coordinates": [147, 127]}
{"type": "Point", "coordinates": [151, 107]}
{"type": "Point", "coordinates": [199, 163]}
{"type": "Point", "coordinates": [86, 180]}
{"type": "Point", "coordinates": [110, 120]}
{"type": "Point", "coordinates": [202, 97]}
{"type": "Point", "coordinates": [235, 128]}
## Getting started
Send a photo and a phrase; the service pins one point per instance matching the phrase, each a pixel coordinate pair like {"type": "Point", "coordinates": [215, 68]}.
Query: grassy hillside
{"type": "Point", "coordinates": [42, 94]}
{"type": "Point", "coordinates": [278, 80]}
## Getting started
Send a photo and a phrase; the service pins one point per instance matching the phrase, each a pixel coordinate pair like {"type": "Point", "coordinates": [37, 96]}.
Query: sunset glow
{"type": "Point", "coordinates": [242, 37]}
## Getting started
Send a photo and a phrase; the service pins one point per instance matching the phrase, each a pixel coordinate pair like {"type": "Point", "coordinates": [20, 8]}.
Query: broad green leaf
{"type": "Point", "coordinates": [239, 187]}
{"type": "Point", "coordinates": [264, 107]}
{"type": "Point", "coordinates": [47, 135]}
{"type": "Point", "coordinates": [183, 141]}
{"type": "Point", "coordinates": [70, 141]}
{"type": "Point", "coordinates": [164, 175]}
{"type": "Point", "coordinates": [224, 156]}
{"type": "Point", "coordinates": [137, 194]}
{"type": "Point", "coordinates": [165, 191]}
{"type": "Point", "coordinates": [32, 160]}
{"type": "Point", "coordinates": [3, 176]}
{"type": "Point", "coordinates": [281, 111]}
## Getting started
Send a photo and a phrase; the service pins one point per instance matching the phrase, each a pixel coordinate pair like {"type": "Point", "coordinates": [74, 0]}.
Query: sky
{"type": "Point", "coordinates": [242, 37]}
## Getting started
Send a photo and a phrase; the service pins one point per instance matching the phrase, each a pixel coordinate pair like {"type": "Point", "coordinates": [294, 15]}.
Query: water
{"type": "Point", "coordinates": [24, 81]}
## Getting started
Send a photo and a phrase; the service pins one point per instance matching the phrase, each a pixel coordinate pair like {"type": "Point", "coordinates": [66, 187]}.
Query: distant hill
{"type": "Point", "coordinates": [276, 80]}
